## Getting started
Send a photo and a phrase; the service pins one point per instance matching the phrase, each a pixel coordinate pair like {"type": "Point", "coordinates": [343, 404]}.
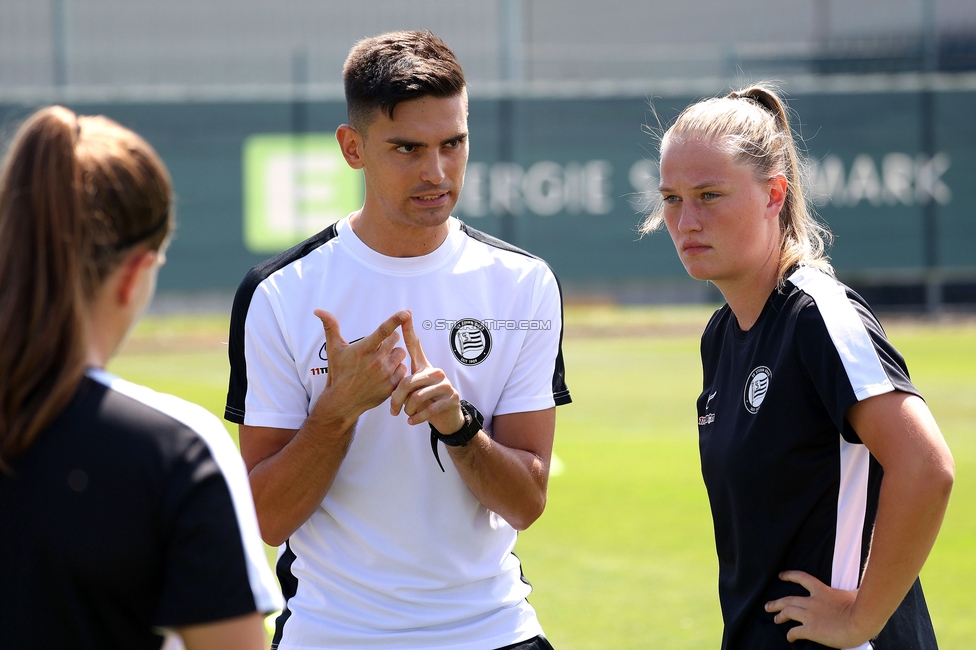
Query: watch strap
{"type": "Point", "coordinates": [473, 421]}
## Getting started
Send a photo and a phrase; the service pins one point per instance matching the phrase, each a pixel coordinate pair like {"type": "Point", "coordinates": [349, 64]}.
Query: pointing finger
{"type": "Point", "coordinates": [418, 359]}
{"type": "Point", "coordinates": [386, 329]}
{"type": "Point", "coordinates": [389, 343]}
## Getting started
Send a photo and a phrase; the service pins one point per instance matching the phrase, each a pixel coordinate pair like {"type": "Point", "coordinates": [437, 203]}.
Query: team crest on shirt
{"type": "Point", "coordinates": [756, 388]}
{"type": "Point", "coordinates": [470, 341]}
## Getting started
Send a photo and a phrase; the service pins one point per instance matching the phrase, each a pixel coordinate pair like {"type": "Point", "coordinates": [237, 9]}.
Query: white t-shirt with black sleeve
{"type": "Point", "coordinates": [790, 484]}
{"type": "Point", "coordinates": [399, 554]}
{"type": "Point", "coordinates": [128, 516]}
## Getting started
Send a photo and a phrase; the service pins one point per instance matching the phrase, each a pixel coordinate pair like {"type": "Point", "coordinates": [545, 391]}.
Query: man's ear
{"type": "Point", "coordinates": [351, 144]}
{"type": "Point", "coordinates": [131, 271]}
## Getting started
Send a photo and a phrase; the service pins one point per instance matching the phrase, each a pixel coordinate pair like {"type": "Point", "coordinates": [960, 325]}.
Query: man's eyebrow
{"type": "Point", "coordinates": [401, 142]}
{"type": "Point", "coordinates": [458, 136]}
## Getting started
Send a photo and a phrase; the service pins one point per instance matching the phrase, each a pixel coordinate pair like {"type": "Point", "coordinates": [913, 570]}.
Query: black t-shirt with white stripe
{"type": "Point", "coordinates": [127, 517]}
{"type": "Point", "coordinates": [790, 484]}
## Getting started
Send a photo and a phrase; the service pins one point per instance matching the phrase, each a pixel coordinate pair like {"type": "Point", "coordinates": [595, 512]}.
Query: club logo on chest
{"type": "Point", "coordinates": [470, 341]}
{"type": "Point", "coordinates": [756, 388]}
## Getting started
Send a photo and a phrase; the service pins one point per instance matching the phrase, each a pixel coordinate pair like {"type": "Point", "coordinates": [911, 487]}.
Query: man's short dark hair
{"type": "Point", "coordinates": [382, 71]}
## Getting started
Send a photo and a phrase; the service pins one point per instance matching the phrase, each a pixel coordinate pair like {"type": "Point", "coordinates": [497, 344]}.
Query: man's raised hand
{"type": "Point", "coordinates": [366, 371]}
{"type": "Point", "coordinates": [426, 395]}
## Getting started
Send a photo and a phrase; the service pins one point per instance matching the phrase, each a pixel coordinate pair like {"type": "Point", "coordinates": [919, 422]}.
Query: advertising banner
{"type": "Point", "coordinates": [565, 179]}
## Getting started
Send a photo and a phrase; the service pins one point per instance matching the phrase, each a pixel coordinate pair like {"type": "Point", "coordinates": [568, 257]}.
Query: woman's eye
{"type": "Point", "coordinates": [671, 199]}
{"type": "Point", "coordinates": [708, 196]}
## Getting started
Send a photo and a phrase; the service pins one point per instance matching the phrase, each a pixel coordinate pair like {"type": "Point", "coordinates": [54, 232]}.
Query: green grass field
{"type": "Point", "coordinates": [624, 556]}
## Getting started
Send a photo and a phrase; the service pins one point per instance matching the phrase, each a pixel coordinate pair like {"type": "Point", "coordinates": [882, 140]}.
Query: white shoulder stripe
{"type": "Point", "coordinates": [847, 331]}
{"type": "Point", "coordinates": [267, 596]}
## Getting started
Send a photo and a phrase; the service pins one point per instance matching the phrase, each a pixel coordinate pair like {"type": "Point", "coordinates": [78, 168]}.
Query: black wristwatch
{"type": "Point", "coordinates": [473, 420]}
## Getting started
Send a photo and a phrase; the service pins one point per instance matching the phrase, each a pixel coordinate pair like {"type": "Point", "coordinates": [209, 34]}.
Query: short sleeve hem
{"type": "Point", "coordinates": [275, 420]}
{"type": "Point", "coordinates": [872, 390]}
{"type": "Point", "coordinates": [524, 405]}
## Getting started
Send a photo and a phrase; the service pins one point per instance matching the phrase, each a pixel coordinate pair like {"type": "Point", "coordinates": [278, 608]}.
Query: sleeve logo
{"type": "Point", "coordinates": [470, 341]}
{"type": "Point", "coordinates": [756, 388]}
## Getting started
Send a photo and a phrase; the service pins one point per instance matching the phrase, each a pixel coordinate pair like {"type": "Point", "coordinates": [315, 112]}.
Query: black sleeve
{"type": "Point", "coordinates": [205, 577]}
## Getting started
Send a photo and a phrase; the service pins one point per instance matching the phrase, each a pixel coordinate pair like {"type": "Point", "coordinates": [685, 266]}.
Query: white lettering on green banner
{"type": "Point", "coordinates": [294, 186]}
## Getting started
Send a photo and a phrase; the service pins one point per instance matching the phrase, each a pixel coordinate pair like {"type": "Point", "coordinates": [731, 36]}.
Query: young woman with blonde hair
{"type": "Point", "coordinates": [126, 514]}
{"type": "Point", "coordinates": [827, 476]}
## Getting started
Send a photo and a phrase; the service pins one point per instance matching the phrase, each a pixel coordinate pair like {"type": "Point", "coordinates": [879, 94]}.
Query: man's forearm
{"type": "Point", "coordinates": [292, 471]}
{"type": "Point", "coordinates": [509, 472]}
{"type": "Point", "coordinates": [290, 484]}
{"type": "Point", "coordinates": [510, 482]}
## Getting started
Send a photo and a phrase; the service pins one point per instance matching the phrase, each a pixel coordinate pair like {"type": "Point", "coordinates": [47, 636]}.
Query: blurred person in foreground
{"type": "Point", "coordinates": [384, 544]}
{"type": "Point", "coordinates": [827, 476]}
{"type": "Point", "coordinates": [126, 514]}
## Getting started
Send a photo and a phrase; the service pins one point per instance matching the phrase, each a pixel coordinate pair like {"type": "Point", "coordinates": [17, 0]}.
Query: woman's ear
{"type": "Point", "coordinates": [131, 272]}
{"type": "Point", "coordinates": [776, 186]}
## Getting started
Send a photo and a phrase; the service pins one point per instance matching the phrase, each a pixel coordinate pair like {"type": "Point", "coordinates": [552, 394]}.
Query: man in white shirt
{"type": "Point", "coordinates": [383, 546]}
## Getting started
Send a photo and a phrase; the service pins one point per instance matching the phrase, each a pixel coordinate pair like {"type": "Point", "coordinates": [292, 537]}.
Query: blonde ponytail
{"type": "Point", "coordinates": [753, 123]}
